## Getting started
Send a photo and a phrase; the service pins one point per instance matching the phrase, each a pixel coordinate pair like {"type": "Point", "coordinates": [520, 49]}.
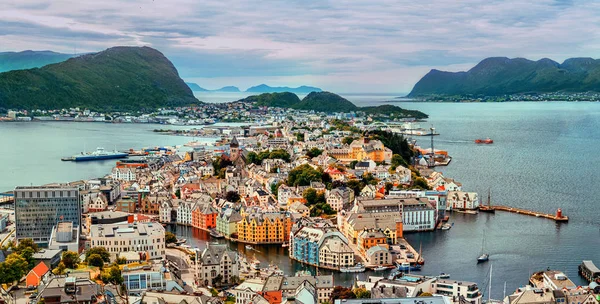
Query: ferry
{"type": "Point", "coordinates": [99, 154]}
{"type": "Point", "coordinates": [486, 141]}
{"type": "Point", "coordinates": [407, 267]}
{"type": "Point", "coordinates": [356, 268]}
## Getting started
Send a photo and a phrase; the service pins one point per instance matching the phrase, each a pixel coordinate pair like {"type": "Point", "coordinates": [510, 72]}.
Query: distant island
{"type": "Point", "coordinates": [10, 61]}
{"type": "Point", "coordinates": [262, 88]}
{"type": "Point", "coordinates": [117, 79]}
{"type": "Point", "coordinates": [501, 76]}
{"type": "Point", "coordinates": [326, 102]}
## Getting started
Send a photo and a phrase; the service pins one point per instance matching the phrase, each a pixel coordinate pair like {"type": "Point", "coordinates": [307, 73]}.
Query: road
{"type": "Point", "coordinates": [186, 270]}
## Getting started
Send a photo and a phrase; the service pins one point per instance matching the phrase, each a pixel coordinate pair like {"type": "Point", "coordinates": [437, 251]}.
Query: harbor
{"type": "Point", "coordinates": [558, 216]}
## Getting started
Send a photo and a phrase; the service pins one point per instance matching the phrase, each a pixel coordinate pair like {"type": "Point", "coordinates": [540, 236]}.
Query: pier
{"type": "Point", "coordinates": [558, 217]}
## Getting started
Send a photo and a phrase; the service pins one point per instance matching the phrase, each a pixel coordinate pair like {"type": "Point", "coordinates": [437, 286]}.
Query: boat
{"type": "Point", "coordinates": [486, 141]}
{"type": "Point", "coordinates": [99, 154]}
{"type": "Point", "coordinates": [487, 208]}
{"type": "Point", "coordinates": [483, 257]}
{"type": "Point", "coordinates": [249, 247]}
{"type": "Point", "coordinates": [180, 241]}
{"type": "Point", "coordinates": [356, 268]}
{"type": "Point", "coordinates": [215, 234]}
{"type": "Point", "coordinates": [446, 227]}
{"type": "Point", "coordinates": [408, 267]}
{"type": "Point", "coordinates": [444, 276]}
{"type": "Point", "coordinates": [284, 245]}
{"type": "Point", "coordinates": [380, 268]}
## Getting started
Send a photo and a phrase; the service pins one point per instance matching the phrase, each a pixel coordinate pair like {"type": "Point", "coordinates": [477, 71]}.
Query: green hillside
{"type": "Point", "coordinates": [500, 76]}
{"type": "Point", "coordinates": [117, 79]}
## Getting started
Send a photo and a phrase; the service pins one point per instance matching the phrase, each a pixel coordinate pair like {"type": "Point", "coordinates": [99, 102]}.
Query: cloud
{"type": "Point", "coordinates": [343, 45]}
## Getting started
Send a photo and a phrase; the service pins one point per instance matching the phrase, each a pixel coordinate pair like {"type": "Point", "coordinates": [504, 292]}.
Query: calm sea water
{"type": "Point", "coordinates": [544, 157]}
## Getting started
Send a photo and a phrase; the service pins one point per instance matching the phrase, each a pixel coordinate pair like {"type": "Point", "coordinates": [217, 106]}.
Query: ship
{"type": "Point", "coordinates": [486, 141]}
{"type": "Point", "coordinates": [99, 154]}
{"type": "Point", "coordinates": [405, 267]}
{"type": "Point", "coordinates": [356, 268]}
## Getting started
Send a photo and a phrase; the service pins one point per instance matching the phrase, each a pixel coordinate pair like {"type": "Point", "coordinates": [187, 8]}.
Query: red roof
{"type": "Point", "coordinates": [40, 270]}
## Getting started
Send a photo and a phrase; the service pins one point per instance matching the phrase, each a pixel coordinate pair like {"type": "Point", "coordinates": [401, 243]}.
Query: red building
{"type": "Point", "coordinates": [204, 216]}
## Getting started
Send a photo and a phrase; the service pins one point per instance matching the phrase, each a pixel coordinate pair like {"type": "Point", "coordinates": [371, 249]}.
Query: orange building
{"type": "Point", "coordinates": [371, 237]}
{"type": "Point", "coordinates": [273, 296]}
{"type": "Point", "coordinates": [264, 228]}
{"type": "Point", "coordinates": [36, 274]}
{"type": "Point", "coordinates": [204, 216]}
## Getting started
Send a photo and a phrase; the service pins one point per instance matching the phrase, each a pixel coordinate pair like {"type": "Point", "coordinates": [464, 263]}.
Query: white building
{"type": "Point", "coordinates": [283, 194]}
{"type": "Point", "coordinates": [137, 237]}
{"type": "Point", "coordinates": [215, 260]}
{"type": "Point", "coordinates": [124, 174]}
{"type": "Point", "coordinates": [64, 237]}
{"type": "Point", "coordinates": [462, 200]}
{"type": "Point", "coordinates": [418, 215]}
{"type": "Point", "coordinates": [184, 212]}
{"type": "Point", "coordinates": [164, 212]}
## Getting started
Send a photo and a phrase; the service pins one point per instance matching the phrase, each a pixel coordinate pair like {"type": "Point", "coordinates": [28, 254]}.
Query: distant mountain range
{"type": "Point", "coordinates": [325, 102]}
{"type": "Point", "coordinates": [29, 59]}
{"type": "Point", "coordinates": [117, 79]}
{"type": "Point", "coordinates": [500, 75]}
{"type": "Point", "coordinates": [262, 88]}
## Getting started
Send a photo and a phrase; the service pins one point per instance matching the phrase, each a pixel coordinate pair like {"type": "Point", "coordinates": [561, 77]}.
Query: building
{"type": "Point", "coordinates": [123, 174]}
{"type": "Point", "coordinates": [461, 200]}
{"type": "Point", "coordinates": [38, 209]}
{"type": "Point", "coordinates": [320, 287]}
{"type": "Point", "coordinates": [371, 237]}
{"type": "Point", "coordinates": [420, 300]}
{"type": "Point", "coordinates": [69, 290]}
{"type": "Point", "coordinates": [217, 260]}
{"type": "Point", "coordinates": [300, 208]}
{"type": "Point", "coordinates": [65, 237]}
{"type": "Point", "coordinates": [152, 297]}
{"type": "Point", "coordinates": [204, 216]}
{"type": "Point", "coordinates": [258, 227]}
{"type": "Point", "coordinates": [35, 275]}
{"type": "Point", "coordinates": [50, 257]}
{"type": "Point", "coordinates": [339, 197]}
{"type": "Point", "coordinates": [184, 212]}
{"type": "Point", "coordinates": [154, 276]}
{"type": "Point", "coordinates": [146, 238]}
{"type": "Point", "coordinates": [126, 204]}
{"type": "Point", "coordinates": [227, 222]}
{"type": "Point", "coordinates": [362, 149]}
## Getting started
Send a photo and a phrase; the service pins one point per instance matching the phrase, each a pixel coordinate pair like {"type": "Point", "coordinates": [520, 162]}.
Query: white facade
{"type": "Point", "coordinates": [418, 218]}
{"type": "Point", "coordinates": [463, 200]}
{"type": "Point", "coordinates": [164, 212]}
{"type": "Point", "coordinates": [137, 237]}
{"type": "Point", "coordinates": [184, 213]}
{"type": "Point", "coordinates": [124, 174]}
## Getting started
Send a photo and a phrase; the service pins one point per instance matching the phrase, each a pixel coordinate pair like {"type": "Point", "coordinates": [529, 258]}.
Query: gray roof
{"type": "Point", "coordinates": [420, 300]}
{"type": "Point", "coordinates": [213, 253]}
{"type": "Point", "coordinates": [324, 281]}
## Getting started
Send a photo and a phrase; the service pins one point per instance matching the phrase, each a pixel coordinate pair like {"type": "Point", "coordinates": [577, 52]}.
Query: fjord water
{"type": "Point", "coordinates": [544, 157]}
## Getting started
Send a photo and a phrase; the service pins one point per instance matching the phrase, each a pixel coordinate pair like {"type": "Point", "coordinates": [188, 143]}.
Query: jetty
{"type": "Point", "coordinates": [558, 216]}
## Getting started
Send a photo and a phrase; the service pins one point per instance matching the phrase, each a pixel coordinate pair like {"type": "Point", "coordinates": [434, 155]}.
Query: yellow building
{"type": "Point", "coordinates": [264, 228]}
{"type": "Point", "coordinates": [361, 149]}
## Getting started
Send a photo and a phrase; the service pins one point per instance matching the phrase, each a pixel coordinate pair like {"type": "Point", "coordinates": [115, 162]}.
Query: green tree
{"type": "Point", "coordinates": [70, 259]}
{"type": "Point", "coordinates": [275, 188]}
{"type": "Point", "coordinates": [178, 193]}
{"type": "Point", "coordinates": [397, 160]}
{"type": "Point", "coordinates": [95, 260]}
{"type": "Point", "coordinates": [314, 152]}
{"type": "Point", "coordinates": [101, 251]}
{"type": "Point", "coordinates": [299, 137]}
{"type": "Point", "coordinates": [121, 261]}
{"type": "Point", "coordinates": [13, 268]}
{"type": "Point", "coordinates": [60, 269]}
{"type": "Point", "coordinates": [26, 243]}
{"type": "Point", "coordinates": [369, 179]}
{"type": "Point", "coordinates": [112, 275]}
{"type": "Point", "coordinates": [388, 186]}
{"type": "Point", "coordinates": [303, 175]}
{"type": "Point", "coordinates": [355, 185]}
{"type": "Point", "coordinates": [27, 254]}
{"type": "Point", "coordinates": [347, 140]}
{"type": "Point", "coordinates": [340, 292]}
{"type": "Point", "coordinates": [310, 195]}
{"type": "Point", "coordinates": [353, 164]}
{"type": "Point", "coordinates": [170, 237]}
{"type": "Point", "coordinates": [216, 281]}
{"type": "Point", "coordinates": [252, 158]}
{"type": "Point", "coordinates": [280, 154]}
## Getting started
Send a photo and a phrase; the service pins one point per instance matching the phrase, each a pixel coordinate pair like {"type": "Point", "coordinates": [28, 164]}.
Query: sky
{"type": "Point", "coordinates": [340, 46]}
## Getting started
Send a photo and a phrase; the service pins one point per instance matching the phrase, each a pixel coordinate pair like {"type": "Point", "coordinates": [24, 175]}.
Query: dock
{"type": "Point", "coordinates": [558, 217]}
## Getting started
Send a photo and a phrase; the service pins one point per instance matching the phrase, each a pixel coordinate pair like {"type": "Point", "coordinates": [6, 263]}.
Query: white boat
{"type": "Point", "coordinates": [446, 227]}
{"type": "Point", "coordinates": [380, 268]}
{"type": "Point", "coordinates": [444, 276]}
{"type": "Point", "coordinates": [249, 247]}
{"type": "Point", "coordinates": [356, 268]}
{"type": "Point", "coordinates": [483, 257]}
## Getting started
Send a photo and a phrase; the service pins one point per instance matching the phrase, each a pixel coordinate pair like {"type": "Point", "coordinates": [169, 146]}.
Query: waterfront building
{"type": "Point", "coordinates": [146, 238]}
{"type": "Point", "coordinates": [165, 212]}
{"type": "Point", "coordinates": [259, 227]}
{"type": "Point", "coordinates": [351, 224]}
{"type": "Point", "coordinates": [217, 260]}
{"type": "Point", "coordinates": [65, 236]}
{"type": "Point", "coordinates": [552, 279]}
{"type": "Point", "coordinates": [154, 297]}
{"type": "Point", "coordinates": [38, 209]}
{"type": "Point", "coordinates": [533, 295]}
{"type": "Point", "coordinates": [460, 200]}
{"type": "Point", "coordinates": [323, 246]}
{"type": "Point", "coordinates": [227, 222]}
{"type": "Point", "coordinates": [204, 216]}
{"type": "Point", "coordinates": [378, 255]}
{"type": "Point", "coordinates": [184, 212]}
{"type": "Point", "coordinates": [368, 238]}
{"type": "Point", "coordinates": [418, 215]}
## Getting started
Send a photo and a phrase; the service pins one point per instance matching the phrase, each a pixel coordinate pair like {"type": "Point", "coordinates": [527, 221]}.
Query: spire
{"type": "Point", "coordinates": [234, 143]}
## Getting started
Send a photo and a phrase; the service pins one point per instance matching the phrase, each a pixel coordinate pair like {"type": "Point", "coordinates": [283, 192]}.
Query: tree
{"type": "Point", "coordinates": [299, 136]}
{"type": "Point", "coordinates": [178, 193]}
{"type": "Point", "coordinates": [303, 175]}
{"type": "Point", "coordinates": [280, 154]}
{"type": "Point", "coordinates": [310, 195]}
{"type": "Point", "coordinates": [340, 292]}
{"type": "Point", "coordinates": [221, 162]}
{"type": "Point", "coordinates": [397, 160]}
{"type": "Point", "coordinates": [121, 261]}
{"type": "Point", "coordinates": [27, 254]}
{"type": "Point", "coordinates": [347, 140]}
{"type": "Point", "coordinates": [388, 186]}
{"type": "Point", "coordinates": [60, 269]}
{"type": "Point", "coordinates": [95, 260]}
{"type": "Point", "coordinates": [101, 251]}
{"type": "Point", "coordinates": [252, 158]}
{"type": "Point", "coordinates": [13, 268]}
{"type": "Point", "coordinates": [112, 276]}
{"type": "Point", "coordinates": [217, 280]}
{"type": "Point", "coordinates": [70, 259]}
{"type": "Point", "coordinates": [362, 293]}
{"type": "Point", "coordinates": [395, 142]}
{"type": "Point", "coordinates": [170, 237]}
{"type": "Point", "coordinates": [353, 164]}
{"type": "Point", "coordinates": [314, 152]}
{"type": "Point", "coordinates": [369, 179]}
{"type": "Point", "coordinates": [275, 188]}
{"type": "Point", "coordinates": [232, 196]}
{"type": "Point", "coordinates": [355, 185]}
{"type": "Point", "coordinates": [26, 243]}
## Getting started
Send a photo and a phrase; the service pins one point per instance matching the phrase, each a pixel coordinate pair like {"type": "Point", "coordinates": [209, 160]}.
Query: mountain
{"type": "Point", "coordinates": [195, 87]}
{"type": "Point", "coordinates": [117, 79]}
{"type": "Point", "coordinates": [263, 88]}
{"type": "Point", "coordinates": [325, 102]}
{"type": "Point", "coordinates": [227, 89]}
{"type": "Point", "coordinates": [501, 75]}
{"type": "Point", "coordinates": [29, 59]}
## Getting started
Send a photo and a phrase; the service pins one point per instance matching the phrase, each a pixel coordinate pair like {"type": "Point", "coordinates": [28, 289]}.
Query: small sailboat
{"type": "Point", "coordinates": [483, 257]}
